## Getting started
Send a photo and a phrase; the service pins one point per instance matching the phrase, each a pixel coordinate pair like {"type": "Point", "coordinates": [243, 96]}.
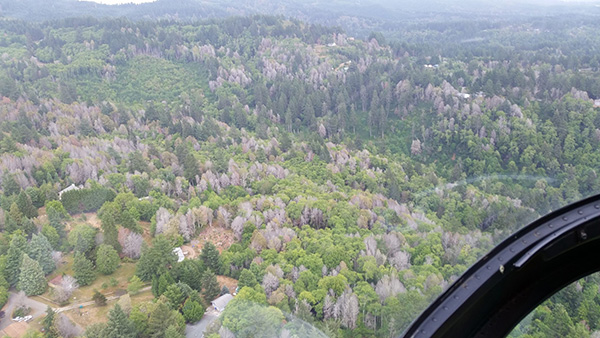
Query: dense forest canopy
{"type": "Point", "coordinates": [357, 175]}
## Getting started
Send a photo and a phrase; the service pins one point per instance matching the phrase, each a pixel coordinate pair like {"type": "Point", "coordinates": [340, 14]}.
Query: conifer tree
{"type": "Point", "coordinates": [26, 205]}
{"type": "Point", "coordinates": [211, 285]}
{"type": "Point", "coordinates": [18, 246]}
{"type": "Point", "coordinates": [107, 259]}
{"type": "Point", "coordinates": [31, 278]}
{"type": "Point", "coordinates": [83, 269]}
{"type": "Point", "coordinates": [210, 256]}
{"type": "Point", "coordinates": [119, 326]}
{"type": "Point", "coordinates": [48, 324]}
{"type": "Point", "coordinates": [41, 251]}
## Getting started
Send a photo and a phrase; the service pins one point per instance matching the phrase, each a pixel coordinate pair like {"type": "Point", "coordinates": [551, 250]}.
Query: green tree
{"type": "Point", "coordinates": [192, 311]}
{"type": "Point", "coordinates": [210, 257]}
{"type": "Point", "coordinates": [174, 295]}
{"type": "Point", "coordinates": [135, 285]}
{"type": "Point", "coordinates": [26, 205]}
{"type": "Point", "coordinates": [211, 285]}
{"type": "Point", "coordinates": [83, 269]}
{"type": "Point", "coordinates": [173, 332]}
{"type": "Point", "coordinates": [18, 246]}
{"type": "Point", "coordinates": [40, 250]}
{"type": "Point", "coordinates": [99, 298]}
{"type": "Point", "coordinates": [160, 319]}
{"type": "Point", "coordinates": [109, 215]}
{"type": "Point", "coordinates": [155, 259]}
{"type": "Point", "coordinates": [51, 235]}
{"type": "Point", "coordinates": [247, 278]}
{"type": "Point", "coordinates": [107, 259]}
{"type": "Point", "coordinates": [31, 278]}
{"type": "Point", "coordinates": [48, 324]}
{"type": "Point", "coordinates": [119, 326]}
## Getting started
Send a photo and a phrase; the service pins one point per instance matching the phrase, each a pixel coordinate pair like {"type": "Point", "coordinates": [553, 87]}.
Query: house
{"type": "Point", "coordinates": [54, 282]}
{"type": "Point", "coordinates": [597, 103]}
{"type": "Point", "coordinates": [17, 329]}
{"type": "Point", "coordinates": [69, 188]}
{"type": "Point", "coordinates": [179, 253]}
{"type": "Point", "coordinates": [220, 303]}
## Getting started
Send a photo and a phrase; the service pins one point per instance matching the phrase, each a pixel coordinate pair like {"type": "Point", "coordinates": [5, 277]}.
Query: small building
{"type": "Point", "coordinates": [220, 303]}
{"type": "Point", "coordinates": [14, 330]}
{"type": "Point", "coordinates": [597, 103]}
{"type": "Point", "coordinates": [54, 282]}
{"type": "Point", "coordinates": [69, 188]}
{"type": "Point", "coordinates": [179, 253]}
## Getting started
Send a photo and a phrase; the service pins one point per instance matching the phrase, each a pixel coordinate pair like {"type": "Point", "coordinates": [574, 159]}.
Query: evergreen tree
{"type": "Point", "coordinates": [156, 259]}
{"type": "Point", "coordinates": [41, 251]}
{"type": "Point", "coordinates": [211, 285]}
{"type": "Point", "coordinates": [9, 185]}
{"type": "Point", "coordinates": [83, 269]}
{"type": "Point", "coordinates": [211, 258]}
{"type": "Point", "coordinates": [108, 216]}
{"type": "Point", "coordinates": [31, 278]}
{"type": "Point", "coordinates": [18, 246]}
{"type": "Point", "coordinates": [26, 205]}
{"type": "Point", "coordinates": [192, 311]}
{"type": "Point", "coordinates": [135, 285]}
{"type": "Point", "coordinates": [52, 236]}
{"type": "Point", "coordinates": [99, 298]}
{"type": "Point", "coordinates": [163, 283]}
{"type": "Point", "coordinates": [48, 324]}
{"type": "Point", "coordinates": [107, 259]}
{"type": "Point", "coordinates": [247, 278]}
{"type": "Point", "coordinates": [175, 296]}
{"type": "Point", "coordinates": [160, 319]}
{"type": "Point", "coordinates": [14, 219]}
{"type": "Point", "coordinates": [128, 221]}
{"type": "Point", "coordinates": [189, 272]}
{"type": "Point", "coordinates": [119, 326]}
{"type": "Point", "coordinates": [173, 332]}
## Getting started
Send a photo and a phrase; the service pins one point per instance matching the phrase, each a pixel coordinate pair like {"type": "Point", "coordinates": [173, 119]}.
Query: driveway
{"type": "Point", "coordinates": [37, 308]}
{"type": "Point", "coordinates": [197, 330]}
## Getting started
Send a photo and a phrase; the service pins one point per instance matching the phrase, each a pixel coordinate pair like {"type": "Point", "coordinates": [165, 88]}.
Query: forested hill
{"type": "Point", "coordinates": [357, 177]}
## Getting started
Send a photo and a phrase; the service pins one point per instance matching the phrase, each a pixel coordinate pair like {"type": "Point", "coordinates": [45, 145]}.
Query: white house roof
{"type": "Point", "coordinates": [179, 252]}
{"type": "Point", "coordinates": [221, 302]}
{"type": "Point", "coordinates": [69, 188]}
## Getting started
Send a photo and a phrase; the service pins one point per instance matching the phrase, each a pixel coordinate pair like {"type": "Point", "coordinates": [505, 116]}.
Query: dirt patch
{"type": "Point", "coordinates": [230, 282]}
{"type": "Point", "coordinates": [220, 237]}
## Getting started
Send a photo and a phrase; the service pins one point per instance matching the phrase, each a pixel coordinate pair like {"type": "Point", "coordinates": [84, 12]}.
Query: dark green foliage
{"type": "Point", "coordinates": [211, 285]}
{"type": "Point", "coordinates": [192, 311]}
{"type": "Point", "coordinates": [189, 272]}
{"type": "Point", "coordinates": [26, 205]}
{"type": "Point", "coordinates": [118, 326]}
{"type": "Point", "coordinates": [224, 290]}
{"type": "Point", "coordinates": [175, 296]}
{"type": "Point", "coordinates": [155, 259]}
{"type": "Point", "coordinates": [83, 269]}
{"type": "Point", "coordinates": [50, 330]}
{"type": "Point", "coordinates": [52, 236]}
{"type": "Point", "coordinates": [107, 259]}
{"type": "Point", "coordinates": [109, 215]}
{"type": "Point", "coordinates": [99, 298]}
{"type": "Point", "coordinates": [160, 319]}
{"type": "Point", "coordinates": [86, 200]}
{"type": "Point", "coordinates": [18, 246]}
{"type": "Point", "coordinates": [247, 278]}
{"type": "Point", "coordinates": [211, 258]}
{"type": "Point", "coordinates": [39, 249]}
{"type": "Point", "coordinates": [9, 185]}
{"type": "Point", "coordinates": [31, 278]}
